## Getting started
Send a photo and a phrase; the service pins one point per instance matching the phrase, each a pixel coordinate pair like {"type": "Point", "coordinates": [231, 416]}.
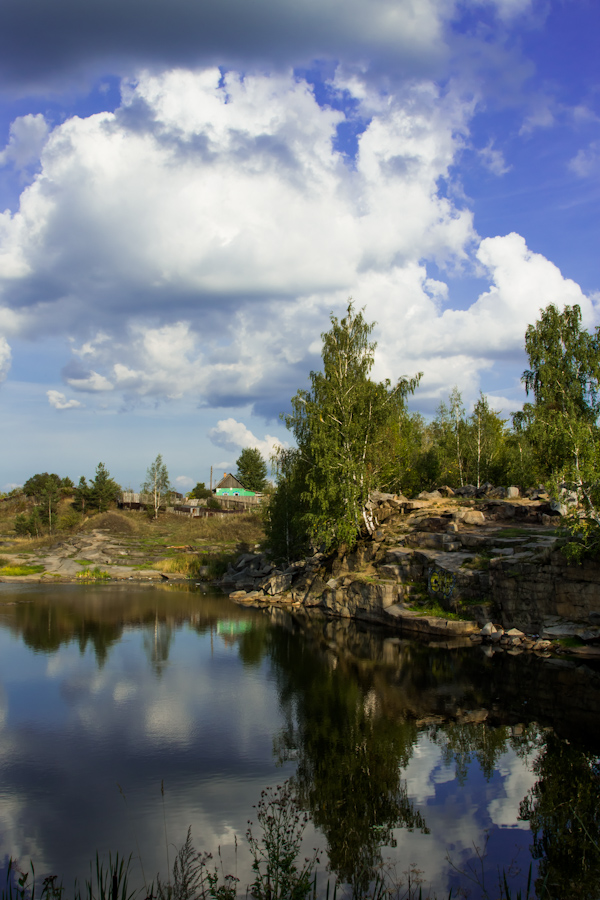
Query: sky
{"type": "Point", "coordinates": [189, 190]}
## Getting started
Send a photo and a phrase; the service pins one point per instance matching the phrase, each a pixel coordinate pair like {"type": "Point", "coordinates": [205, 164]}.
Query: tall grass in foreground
{"type": "Point", "coordinates": [279, 872]}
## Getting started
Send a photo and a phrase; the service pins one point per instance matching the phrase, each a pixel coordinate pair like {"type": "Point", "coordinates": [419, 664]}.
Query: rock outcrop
{"type": "Point", "coordinates": [444, 564]}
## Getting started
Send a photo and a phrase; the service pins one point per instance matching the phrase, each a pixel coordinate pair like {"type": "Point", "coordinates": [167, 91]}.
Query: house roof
{"type": "Point", "coordinates": [229, 481]}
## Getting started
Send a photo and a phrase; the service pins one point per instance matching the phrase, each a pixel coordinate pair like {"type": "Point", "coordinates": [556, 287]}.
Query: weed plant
{"type": "Point", "coordinates": [95, 574]}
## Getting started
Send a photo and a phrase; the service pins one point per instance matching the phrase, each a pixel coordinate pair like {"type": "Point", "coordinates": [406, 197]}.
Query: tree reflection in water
{"type": "Point", "coordinates": [351, 753]}
{"type": "Point", "coordinates": [349, 761]}
{"type": "Point", "coordinates": [157, 640]}
{"type": "Point", "coordinates": [563, 810]}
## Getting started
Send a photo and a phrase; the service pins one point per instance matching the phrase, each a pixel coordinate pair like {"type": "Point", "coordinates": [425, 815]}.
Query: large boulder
{"type": "Point", "coordinates": [473, 517]}
{"type": "Point", "coordinates": [430, 495]}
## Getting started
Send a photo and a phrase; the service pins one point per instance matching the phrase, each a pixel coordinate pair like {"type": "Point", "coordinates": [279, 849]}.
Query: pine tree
{"type": "Point", "coordinates": [102, 490]}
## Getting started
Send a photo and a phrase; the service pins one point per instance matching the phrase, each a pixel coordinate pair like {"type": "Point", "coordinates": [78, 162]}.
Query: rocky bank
{"type": "Point", "coordinates": [445, 566]}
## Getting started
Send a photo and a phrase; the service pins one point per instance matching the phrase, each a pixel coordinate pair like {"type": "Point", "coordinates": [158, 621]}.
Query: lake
{"type": "Point", "coordinates": [129, 713]}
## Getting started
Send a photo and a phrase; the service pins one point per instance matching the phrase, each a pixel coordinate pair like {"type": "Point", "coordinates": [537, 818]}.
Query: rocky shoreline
{"type": "Point", "coordinates": [490, 568]}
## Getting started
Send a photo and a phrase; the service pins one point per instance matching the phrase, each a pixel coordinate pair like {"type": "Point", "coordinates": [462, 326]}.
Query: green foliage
{"type": "Point", "coordinates": [213, 503]}
{"type": "Point", "coordinates": [563, 812]}
{"type": "Point", "coordinates": [200, 492]}
{"type": "Point", "coordinates": [485, 442]}
{"type": "Point", "coordinates": [45, 490]}
{"type": "Point", "coordinates": [157, 483]}
{"type": "Point", "coordinates": [103, 491]}
{"type": "Point", "coordinates": [81, 495]}
{"type": "Point", "coordinates": [29, 525]}
{"type": "Point", "coordinates": [68, 521]}
{"type": "Point", "coordinates": [339, 425]}
{"type": "Point", "coordinates": [278, 875]}
{"type": "Point", "coordinates": [95, 574]}
{"type": "Point", "coordinates": [252, 470]}
{"type": "Point", "coordinates": [563, 377]}
{"type": "Point", "coordinates": [285, 516]}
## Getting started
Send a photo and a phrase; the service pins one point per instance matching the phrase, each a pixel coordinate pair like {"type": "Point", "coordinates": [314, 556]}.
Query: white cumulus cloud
{"type": "Point", "coordinates": [59, 401]}
{"type": "Point", "coordinates": [184, 482]}
{"type": "Point", "coordinates": [27, 136]}
{"type": "Point", "coordinates": [233, 435]}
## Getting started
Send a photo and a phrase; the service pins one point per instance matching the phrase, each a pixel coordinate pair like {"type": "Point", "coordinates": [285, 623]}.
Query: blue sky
{"type": "Point", "coordinates": [189, 191]}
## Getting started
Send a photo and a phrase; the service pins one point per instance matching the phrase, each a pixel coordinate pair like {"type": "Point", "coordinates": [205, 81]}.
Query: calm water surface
{"type": "Point", "coordinates": [400, 752]}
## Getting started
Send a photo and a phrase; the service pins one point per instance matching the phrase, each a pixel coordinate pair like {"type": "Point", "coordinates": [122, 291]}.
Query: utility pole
{"type": "Point", "coordinates": [211, 479]}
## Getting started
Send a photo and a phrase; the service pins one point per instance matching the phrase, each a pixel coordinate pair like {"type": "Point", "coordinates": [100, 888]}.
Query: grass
{"type": "Point", "coordinates": [182, 564]}
{"type": "Point", "coordinates": [433, 608]}
{"type": "Point", "coordinates": [570, 642]}
{"type": "Point", "coordinates": [13, 571]}
{"type": "Point", "coordinates": [95, 574]}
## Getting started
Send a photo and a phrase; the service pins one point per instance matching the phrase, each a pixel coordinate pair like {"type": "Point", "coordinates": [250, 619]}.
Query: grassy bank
{"type": "Point", "coordinates": [171, 544]}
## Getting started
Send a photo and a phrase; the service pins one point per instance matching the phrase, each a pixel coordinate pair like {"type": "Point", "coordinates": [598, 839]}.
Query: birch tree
{"type": "Point", "coordinates": [338, 425]}
{"type": "Point", "coordinates": [564, 378]}
{"type": "Point", "coordinates": [157, 483]}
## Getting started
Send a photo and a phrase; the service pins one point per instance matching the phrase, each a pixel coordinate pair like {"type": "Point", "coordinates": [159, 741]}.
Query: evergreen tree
{"type": "Point", "coordinates": [81, 496]}
{"type": "Point", "coordinates": [252, 470]}
{"type": "Point", "coordinates": [102, 490]}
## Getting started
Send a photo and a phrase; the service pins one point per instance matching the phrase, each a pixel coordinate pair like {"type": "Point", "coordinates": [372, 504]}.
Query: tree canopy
{"type": "Point", "coordinates": [252, 470]}
{"type": "Point", "coordinates": [157, 483]}
{"type": "Point", "coordinates": [339, 426]}
{"type": "Point", "coordinates": [563, 377]}
{"type": "Point", "coordinates": [200, 492]}
{"type": "Point", "coordinates": [103, 490]}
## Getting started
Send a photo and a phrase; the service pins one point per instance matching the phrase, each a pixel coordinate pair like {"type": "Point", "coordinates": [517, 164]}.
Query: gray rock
{"type": "Point", "coordinates": [473, 517]}
{"type": "Point", "coordinates": [488, 629]}
{"type": "Point", "coordinates": [512, 493]}
{"type": "Point", "coordinates": [379, 497]}
{"type": "Point", "coordinates": [559, 508]}
{"type": "Point", "coordinates": [277, 584]}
